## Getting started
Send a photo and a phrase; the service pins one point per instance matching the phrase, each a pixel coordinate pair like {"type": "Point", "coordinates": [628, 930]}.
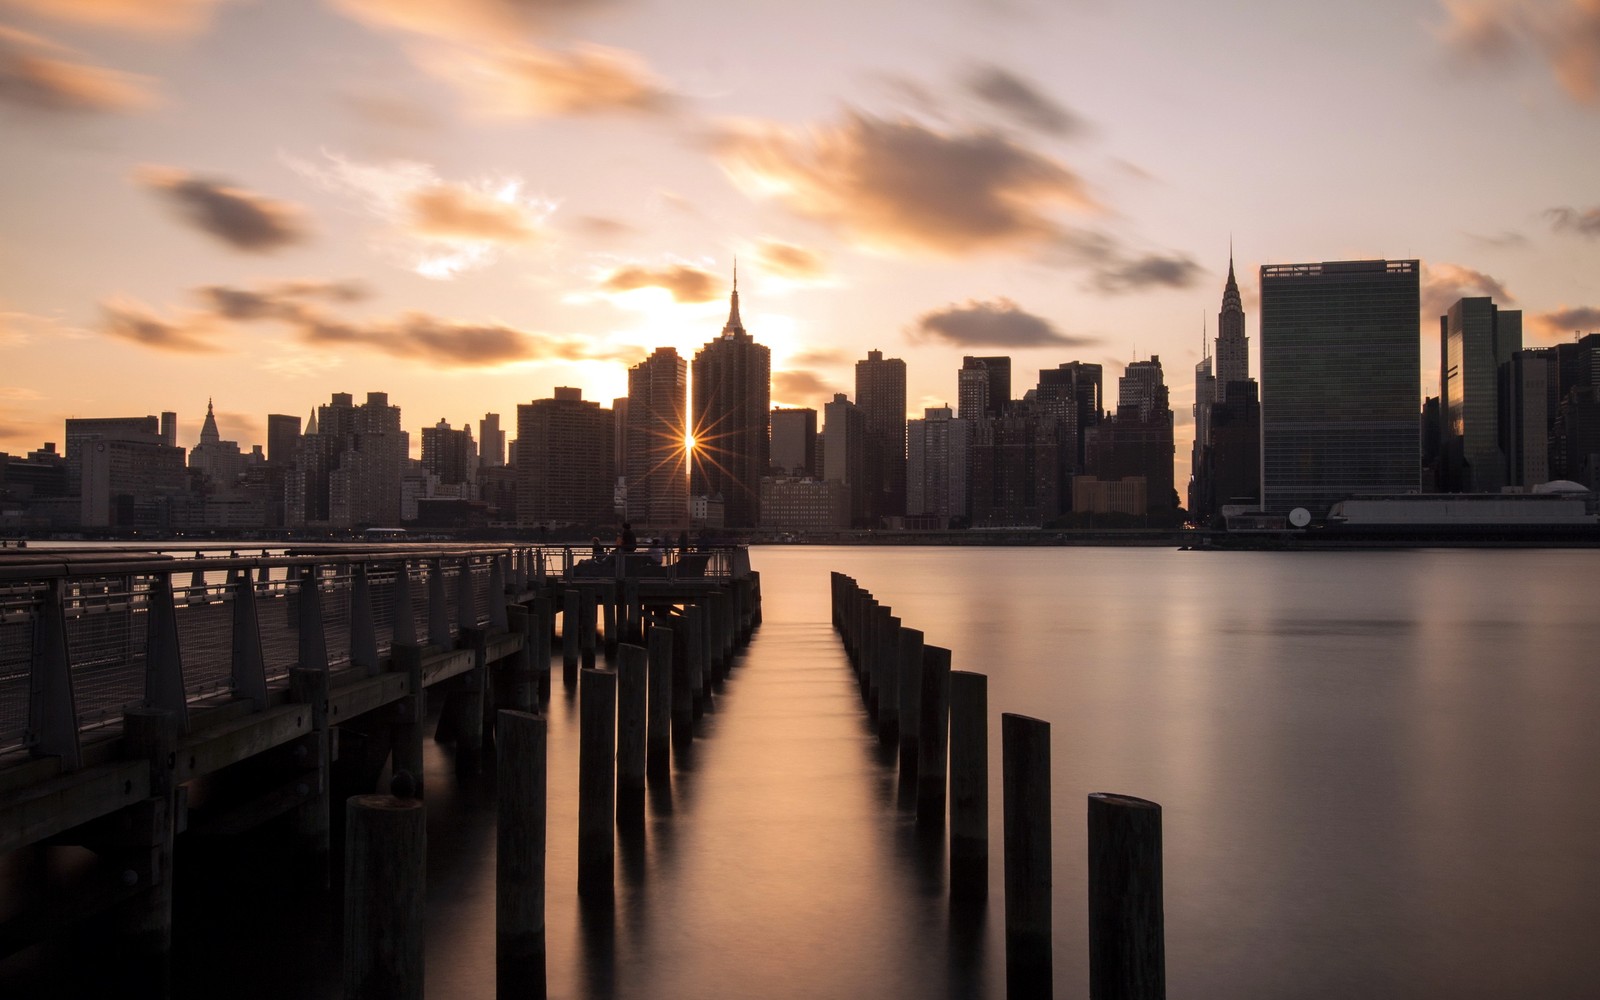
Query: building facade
{"type": "Point", "coordinates": [794, 442]}
{"type": "Point", "coordinates": [564, 461]}
{"type": "Point", "coordinates": [881, 396]}
{"type": "Point", "coordinates": [1340, 366]}
{"type": "Point", "coordinates": [1476, 338]}
{"type": "Point", "coordinates": [732, 404]}
{"type": "Point", "coordinates": [655, 456]}
{"type": "Point", "coordinates": [937, 447]}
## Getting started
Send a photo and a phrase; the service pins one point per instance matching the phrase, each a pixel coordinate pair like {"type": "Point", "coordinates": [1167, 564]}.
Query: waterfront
{"type": "Point", "coordinates": [1376, 769]}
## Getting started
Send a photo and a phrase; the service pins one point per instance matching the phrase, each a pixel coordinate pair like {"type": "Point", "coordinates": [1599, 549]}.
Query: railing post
{"type": "Point", "coordinates": [313, 823]}
{"type": "Point", "coordinates": [497, 594]}
{"type": "Point", "coordinates": [363, 628]}
{"type": "Point", "coordinates": [52, 711]}
{"type": "Point", "coordinates": [249, 665]}
{"type": "Point", "coordinates": [438, 609]}
{"type": "Point", "coordinates": [466, 602]}
{"type": "Point", "coordinates": [405, 620]}
{"type": "Point", "coordinates": [163, 665]}
{"type": "Point", "coordinates": [313, 641]}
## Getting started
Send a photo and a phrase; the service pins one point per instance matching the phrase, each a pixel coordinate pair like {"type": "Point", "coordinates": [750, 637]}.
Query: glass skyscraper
{"type": "Point", "coordinates": [1340, 377]}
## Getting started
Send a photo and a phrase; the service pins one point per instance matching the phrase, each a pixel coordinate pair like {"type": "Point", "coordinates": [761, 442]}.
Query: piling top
{"type": "Point", "coordinates": [1124, 801]}
{"type": "Point", "coordinates": [384, 802]}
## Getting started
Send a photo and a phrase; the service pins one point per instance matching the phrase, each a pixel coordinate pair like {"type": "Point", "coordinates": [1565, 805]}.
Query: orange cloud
{"type": "Point", "coordinates": [35, 74]}
{"type": "Point", "coordinates": [1558, 324]}
{"type": "Point", "coordinates": [800, 387]}
{"type": "Point", "coordinates": [1443, 284]}
{"type": "Point", "coordinates": [789, 261]}
{"type": "Point", "coordinates": [525, 81]}
{"type": "Point", "coordinates": [151, 16]}
{"type": "Point", "coordinates": [451, 212]}
{"type": "Point", "coordinates": [900, 185]}
{"type": "Point", "coordinates": [137, 323]}
{"type": "Point", "coordinates": [475, 20]}
{"type": "Point", "coordinates": [687, 284]}
{"type": "Point", "coordinates": [1565, 34]}
{"type": "Point", "coordinates": [242, 219]}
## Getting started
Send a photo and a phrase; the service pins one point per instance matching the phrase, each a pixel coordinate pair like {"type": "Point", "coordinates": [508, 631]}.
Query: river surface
{"type": "Point", "coordinates": [1377, 772]}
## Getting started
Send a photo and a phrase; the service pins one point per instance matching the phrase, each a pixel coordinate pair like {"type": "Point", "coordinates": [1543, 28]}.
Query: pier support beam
{"type": "Point", "coordinates": [597, 747]}
{"type": "Point", "coordinates": [520, 855]}
{"type": "Point", "coordinates": [1026, 780]}
{"type": "Point", "coordinates": [1127, 937]}
{"type": "Point", "coordinates": [386, 849]}
{"type": "Point", "coordinates": [969, 785]}
{"type": "Point", "coordinates": [151, 734]}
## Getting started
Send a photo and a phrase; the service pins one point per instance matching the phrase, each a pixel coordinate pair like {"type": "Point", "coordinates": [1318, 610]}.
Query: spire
{"type": "Point", "coordinates": [311, 422]}
{"type": "Point", "coordinates": [734, 325]}
{"type": "Point", "coordinates": [208, 431]}
{"type": "Point", "coordinates": [1230, 292]}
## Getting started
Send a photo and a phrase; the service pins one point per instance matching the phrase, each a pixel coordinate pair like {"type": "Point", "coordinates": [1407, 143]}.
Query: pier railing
{"type": "Point", "coordinates": [87, 634]}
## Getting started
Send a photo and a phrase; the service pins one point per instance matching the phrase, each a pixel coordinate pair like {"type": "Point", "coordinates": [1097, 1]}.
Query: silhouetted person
{"type": "Point", "coordinates": [627, 542]}
{"type": "Point", "coordinates": [683, 541]}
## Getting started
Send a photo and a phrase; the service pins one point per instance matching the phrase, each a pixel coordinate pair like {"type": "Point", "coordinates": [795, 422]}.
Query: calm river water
{"type": "Point", "coordinates": [1378, 774]}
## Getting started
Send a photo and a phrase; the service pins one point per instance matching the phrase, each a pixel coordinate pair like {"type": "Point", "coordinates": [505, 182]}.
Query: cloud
{"type": "Point", "coordinates": [435, 228]}
{"type": "Point", "coordinates": [149, 16]}
{"type": "Point", "coordinates": [1564, 34]}
{"type": "Point", "coordinates": [601, 227]}
{"type": "Point", "coordinates": [1442, 284]}
{"type": "Point", "coordinates": [900, 185]}
{"type": "Point", "coordinates": [799, 386]}
{"type": "Point", "coordinates": [687, 284]}
{"type": "Point", "coordinates": [242, 219]}
{"type": "Point", "coordinates": [996, 323]}
{"type": "Point", "coordinates": [393, 112]}
{"type": "Point", "coordinates": [785, 260]}
{"type": "Point", "coordinates": [299, 308]}
{"type": "Point", "coordinates": [466, 20]}
{"type": "Point", "coordinates": [450, 212]}
{"type": "Point", "coordinates": [133, 321]}
{"type": "Point", "coordinates": [1147, 271]}
{"type": "Point", "coordinates": [1559, 323]}
{"type": "Point", "coordinates": [821, 356]}
{"type": "Point", "coordinates": [1584, 223]}
{"type": "Point", "coordinates": [525, 81]}
{"type": "Point", "coordinates": [1025, 103]}
{"type": "Point", "coordinates": [243, 427]}
{"type": "Point", "coordinates": [1504, 240]}
{"type": "Point", "coordinates": [39, 75]}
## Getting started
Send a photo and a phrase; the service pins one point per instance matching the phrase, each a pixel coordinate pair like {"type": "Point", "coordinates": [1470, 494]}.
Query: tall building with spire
{"type": "Point", "coordinates": [1225, 464]}
{"type": "Point", "coordinates": [1233, 347]}
{"type": "Point", "coordinates": [220, 461]}
{"type": "Point", "coordinates": [732, 407]}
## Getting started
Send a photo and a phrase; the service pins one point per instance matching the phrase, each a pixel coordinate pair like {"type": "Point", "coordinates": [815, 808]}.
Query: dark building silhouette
{"type": "Point", "coordinates": [794, 442]}
{"type": "Point", "coordinates": [983, 387]}
{"type": "Point", "coordinates": [845, 452]}
{"type": "Point", "coordinates": [348, 471]}
{"type": "Point", "coordinates": [1012, 469]}
{"type": "Point", "coordinates": [1137, 441]}
{"type": "Point", "coordinates": [491, 442]}
{"type": "Point", "coordinates": [448, 453]}
{"type": "Point", "coordinates": [1071, 395]}
{"type": "Point", "coordinates": [564, 461]}
{"type": "Point", "coordinates": [658, 477]}
{"type": "Point", "coordinates": [881, 396]}
{"type": "Point", "coordinates": [283, 438]}
{"type": "Point", "coordinates": [732, 404]}
{"type": "Point", "coordinates": [1475, 339]}
{"type": "Point", "coordinates": [1225, 463]}
{"type": "Point", "coordinates": [1340, 365]}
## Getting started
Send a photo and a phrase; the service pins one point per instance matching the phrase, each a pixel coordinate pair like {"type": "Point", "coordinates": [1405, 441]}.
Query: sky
{"type": "Point", "coordinates": [465, 203]}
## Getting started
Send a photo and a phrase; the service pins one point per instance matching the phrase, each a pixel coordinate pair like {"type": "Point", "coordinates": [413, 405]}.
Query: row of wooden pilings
{"type": "Point", "coordinates": [632, 710]}
{"type": "Point", "coordinates": [938, 717]}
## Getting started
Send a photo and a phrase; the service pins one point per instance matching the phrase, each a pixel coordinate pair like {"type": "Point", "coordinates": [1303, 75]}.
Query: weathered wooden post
{"type": "Point", "coordinates": [313, 820]}
{"type": "Point", "coordinates": [932, 733]}
{"type": "Point", "coordinates": [544, 626]}
{"type": "Point", "coordinates": [363, 627]}
{"type": "Point", "coordinates": [634, 632]}
{"type": "Point", "coordinates": [610, 591]}
{"type": "Point", "coordinates": [404, 624]}
{"type": "Point", "coordinates": [467, 701]}
{"type": "Point", "coordinates": [909, 699]}
{"type": "Point", "coordinates": [683, 687]}
{"type": "Point", "coordinates": [658, 730]}
{"type": "Point", "coordinates": [519, 856]}
{"type": "Point", "coordinates": [151, 734]}
{"type": "Point", "coordinates": [632, 699]}
{"type": "Point", "coordinates": [694, 621]}
{"type": "Point", "coordinates": [969, 785]}
{"type": "Point", "coordinates": [523, 693]}
{"type": "Point", "coordinates": [410, 713]}
{"type": "Point", "coordinates": [571, 625]}
{"type": "Point", "coordinates": [588, 638]}
{"type": "Point", "coordinates": [1127, 937]}
{"type": "Point", "coordinates": [386, 849]}
{"type": "Point", "coordinates": [889, 680]}
{"type": "Point", "coordinates": [438, 607]}
{"type": "Point", "coordinates": [597, 747]}
{"type": "Point", "coordinates": [1025, 767]}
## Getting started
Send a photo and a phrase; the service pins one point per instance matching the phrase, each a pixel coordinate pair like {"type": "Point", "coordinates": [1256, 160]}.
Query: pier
{"type": "Point", "coordinates": [149, 701]}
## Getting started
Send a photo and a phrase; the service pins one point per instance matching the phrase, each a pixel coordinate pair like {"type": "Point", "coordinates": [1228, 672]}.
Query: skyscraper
{"type": "Point", "coordinates": [283, 438]}
{"type": "Point", "coordinates": [1475, 339]}
{"type": "Point", "coordinates": [983, 387]}
{"type": "Point", "coordinates": [491, 442]}
{"type": "Point", "coordinates": [1138, 441]}
{"type": "Point", "coordinates": [794, 442]}
{"type": "Point", "coordinates": [1233, 347]}
{"type": "Point", "coordinates": [844, 453]}
{"type": "Point", "coordinates": [564, 461]}
{"type": "Point", "coordinates": [732, 404]}
{"type": "Point", "coordinates": [1340, 366]}
{"type": "Point", "coordinates": [448, 453]}
{"type": "Point", "coordinates": [658, 479]}
{"type": "Point", "coordinates": [881, 395]}
{"type": "Point", "coordinates": [1225, 464]}
{"type": "Point", "coordinates": [936, 466]}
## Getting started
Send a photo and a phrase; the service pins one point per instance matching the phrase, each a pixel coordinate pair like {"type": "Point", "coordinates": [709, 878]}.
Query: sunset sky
{"type": "Point", "coordinates": [465, 203]}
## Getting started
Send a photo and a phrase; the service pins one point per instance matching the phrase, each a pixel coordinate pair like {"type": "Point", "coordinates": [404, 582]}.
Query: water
{"type": "Point", "coordinates": [1376, 769]}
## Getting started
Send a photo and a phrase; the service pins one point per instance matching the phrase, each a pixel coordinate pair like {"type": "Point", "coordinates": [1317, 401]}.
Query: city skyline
{"type": "Point", "coordinates": [467, 205]}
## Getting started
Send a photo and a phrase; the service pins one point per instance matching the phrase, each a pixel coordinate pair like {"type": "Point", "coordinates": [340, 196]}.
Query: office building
{"type": "Point", "coordinates": [564, 462]}
{"type": "Point", "coordinates": [491, 442]}
{"type": "Point", "coordinates": [655, 459]}
{"type": "Point", "coordinates": [1475, 338]}
{"type": "Point", "coordinates": [732, 404]}
{"type": "Point", "coordinates": [983, 387]}
{"type": "Point", "coordinates": [1137, 441]}
{"type": "Point", "coordinates": [844, 435]}
{"type": "Point", "coordinates": [937, 447]}
{"type": "Point", "coordinates": [283, 439]}
{"type": "Point", "coordinates": [881, 397]}
{"type": "Point", "coordinates": [449, 454]}
{"type": "Point", "coordinates": [1340, 367]}
{"type": "Point", "coordinates": [1225, 463]}
{"type": "Point", "coordinates": [794, 442]}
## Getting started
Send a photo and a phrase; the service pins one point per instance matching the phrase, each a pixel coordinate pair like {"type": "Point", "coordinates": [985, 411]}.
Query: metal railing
{"type": "Point", "coordinates": [86, 634]}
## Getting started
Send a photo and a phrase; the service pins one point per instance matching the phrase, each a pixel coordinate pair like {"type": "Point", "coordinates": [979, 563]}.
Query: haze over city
{"type": "Point", "coordinates": [466, 204]}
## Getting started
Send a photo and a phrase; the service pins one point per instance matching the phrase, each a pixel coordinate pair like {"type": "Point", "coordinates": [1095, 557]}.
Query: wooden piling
{"type": "Point", "coordinates": [151, 734]}
{"type": "Point", "coordinates": [1127, 938]}
{"type": "Point", "coordinates": [544, 627]}
{"type": "Point", "coordinates": [694, 619]}
{"type": "Point", "coordinates": [658, 730]}
{"type": "Point", "coordinates": [571, 625]}
{"type": "Point", "coordinates": [468, 700]}
{"type": "Point", "coordinates": [632, 699]}
{"type": "Point", "coordinates": [682, 681]}
{"type": "Point", "coordinates": [410, 713]}
{"type": "Point", "coordinates": [909, 696]}
{"type": "Point", "coordinates": [969, 785]}
{"type": "Point", "coordinates": [386, 847]}
{"type": "Point", "coordinates": [1025, 750]}
{"type": "Point", "coordinates": [313, 821]}
{"type": "Point", "coordinates": [522, 694]}
{"type": "Point", "coordinates": [889, 680]}
{"type": "Point", "coordinates": [932, 733]}
{"type": "Point", "coordinates": [520, 856]}
{"type": "Point", "coordinates": [610, 595]}
{"type": "Point", "coordinates": [588, 635]}
{"type": "Point", "coordinates": [597, 707]}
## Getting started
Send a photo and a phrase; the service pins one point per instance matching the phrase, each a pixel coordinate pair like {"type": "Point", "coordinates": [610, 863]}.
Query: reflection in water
{"type": "Point", "coordinates": [1376, 770]}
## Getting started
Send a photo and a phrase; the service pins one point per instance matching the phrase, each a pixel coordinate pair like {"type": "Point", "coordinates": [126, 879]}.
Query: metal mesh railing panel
{"type": "Point", "coordinates": [278, 612]}
{"type": "Point", "coordinates": [336, 587]}
{"type": "Point", "coordinates": [107, 624]}
{"type": "Point", "coordinates": [205, 640]}
{"type": "Point", "coordinates": [17, 609]}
